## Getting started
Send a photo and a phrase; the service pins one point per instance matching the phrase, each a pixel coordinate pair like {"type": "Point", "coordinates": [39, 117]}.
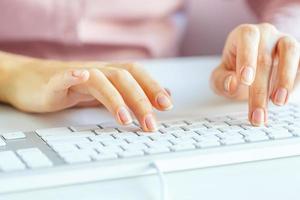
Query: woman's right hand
{"type": "Point", "coordinates": [46, 86]}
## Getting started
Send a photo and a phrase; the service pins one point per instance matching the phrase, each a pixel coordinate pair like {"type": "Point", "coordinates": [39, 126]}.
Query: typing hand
{"type": "Point", "coordinates": [259, 63]}
{"type": "Point", "coordinates": [52, 86]}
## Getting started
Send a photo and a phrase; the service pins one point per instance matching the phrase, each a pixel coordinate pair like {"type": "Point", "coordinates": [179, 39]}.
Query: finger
{"type": "Point", "coordinates": [224, 82]}
{"type": "Point", "coordinates": [134, 96]}
{"type": "Point", "coordinates": [58, 86]}
{"type": "Point", "coordinates": [103, 90]}
{"type": "Point", "coordinates": [259, 90]}
{"type": "Point", "coordinates": [157, 95]}
{"type": "Point", "coordinates": [246, 53]}
{"type": "Point", "coordinates": [289, 53]}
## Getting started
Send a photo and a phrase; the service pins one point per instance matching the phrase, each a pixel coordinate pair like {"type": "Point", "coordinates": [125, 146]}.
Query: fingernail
{"type": "Point", "coordinates": [124, 116]}
{"type": "Point", "coordinates": [150, 123]}
{"type": "Point", "coordinates": [258, 117]}
{"type": "Point", "coordinates": [164, 102]}
{"type": "Point", "coordinates": [280, 96]}
{"type": "Point", "coordinates": [79, 73]}
{"type": "Point", "coordinates": [227, 83]}
{"type": "Point", "coordinates": [247, 75]}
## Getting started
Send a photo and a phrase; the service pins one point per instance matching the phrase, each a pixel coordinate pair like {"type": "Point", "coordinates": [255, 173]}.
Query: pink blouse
{"type": "Point", "coordinates": [114, 29]}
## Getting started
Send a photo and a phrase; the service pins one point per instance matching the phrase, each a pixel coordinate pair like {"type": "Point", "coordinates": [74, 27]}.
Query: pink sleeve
{"type": "Point", "coordinates": [284, 14]}
{"type": "Point", "coordinates": [35, 20]}
{"type": "Point", "coordinates": [152, 25]}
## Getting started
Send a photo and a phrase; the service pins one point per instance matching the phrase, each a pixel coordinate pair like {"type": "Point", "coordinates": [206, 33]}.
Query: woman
{"type": "Point", "coordinates": [59, 32]}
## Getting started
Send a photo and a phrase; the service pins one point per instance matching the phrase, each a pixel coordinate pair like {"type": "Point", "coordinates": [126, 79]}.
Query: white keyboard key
{"type": "Point", "coordinates": [170, 129]}
{"type": "Point", "coordinates": [257, 138]}
{"type": "Point", "coordinates": [208, 143]}
{"type": "Point", "coordinates": [131, 153]}
{"type": "Point", "coordinates": [230, 135]}
{"type": "Point", "coordinates": [206, 138]}
{"type": "Point", "coordinates": [134, 146]}
{"type": "Point", "coordinates": [109, 149]}
{"type": "Point", "coordinates": [14, 135]}
{"type": "Point", "coordinates": [106, 131]}
{"type": "Point", "coordinates": [179, 141]}
{"type": "Point", "coordinates": [182, 147]}
{"type": "Point", "coordinates": [115, 142]}
{"type": "Point", "coordinates": [76, 158]}
{"type": "Point", "coordinates": [34, 158]}
{"type": "Point", "coordinates": [84, 128]}
{"type": "Point", "coordinates": [53, 131]}
{"type": "Point", "coordinates": [125, 135]}
{"type": "Point", "coordinates": [230, 141]}
{"type": "Point", "coordinates": [231, 128]}
{"type": "Point", "coordinates": [280, 134]}
{"type": "Point", "coordinates": [101, 138]}
{"type": "Point", "coordinates": [2, 143]}
{"type": "Point", "coordinates": [68, 141]}
{"type": "Point", "coordinates": [10, 162]}
{"type": "Point", "coordinates": [89, 145]}
{"type": "Point", "coordinates": [175, 124]}
{"type": "Point", "coordinates": [159, 144]}
{"type": "Point", "coordinates": [61, 148]}
{"type": "Point", "coordinates": [195, 127]}
{"type": "Point", "coordinates": [74, 135]}
{"type": "Point", "coordinates": [105, 156]}
{"type": "Point", "coordinates": [159, 136]}
{"type": "Point", "coordinates": [139, 139]}
{"type": "Point", "coordinates": [157, 150]}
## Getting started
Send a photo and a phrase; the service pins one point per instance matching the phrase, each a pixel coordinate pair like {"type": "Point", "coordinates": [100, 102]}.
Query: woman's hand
{"type": "Point", "coordinates": [47, 86]}
{"type": "Point", "coordinates": [259, 63]}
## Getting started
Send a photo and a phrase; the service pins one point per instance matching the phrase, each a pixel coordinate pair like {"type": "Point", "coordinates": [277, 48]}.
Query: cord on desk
{"type": "Point", "coordinates": [164, 194]}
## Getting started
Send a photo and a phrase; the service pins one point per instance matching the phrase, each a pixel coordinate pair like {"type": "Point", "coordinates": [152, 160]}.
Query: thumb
{"type": "Point", "coordinates": [225, 83]}
{"type": "Point", "coordinates": [58, 86]}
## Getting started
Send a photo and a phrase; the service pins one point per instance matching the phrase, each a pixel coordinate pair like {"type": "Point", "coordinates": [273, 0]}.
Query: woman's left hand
{"type": "Point", "coordinates": [259, 63]}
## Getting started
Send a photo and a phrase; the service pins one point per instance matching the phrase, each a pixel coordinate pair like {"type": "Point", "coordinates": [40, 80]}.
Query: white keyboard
{"type": "Point", "coordinates": [76, 154]}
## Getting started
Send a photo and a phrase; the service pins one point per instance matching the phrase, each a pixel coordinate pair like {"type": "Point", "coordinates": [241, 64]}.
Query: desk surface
{"type": "Point", "coordinates": [188, 81]}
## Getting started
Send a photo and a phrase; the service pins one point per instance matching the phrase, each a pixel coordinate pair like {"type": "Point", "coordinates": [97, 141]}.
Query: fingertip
{"type": "Point", "coordinates": [149, 123]}
{"type": "Point", "coordinates": [164, 102]}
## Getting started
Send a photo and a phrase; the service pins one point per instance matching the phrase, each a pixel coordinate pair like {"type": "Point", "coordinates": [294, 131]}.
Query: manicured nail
{"type": "Point", "coordinates": [150, 123]}
{"type": "Point", "coordinates": [164, 102]}
{"type": "Point", "coordinates": [247, 75]}
{"type": "Point", "coordinates": [280, 96]}
{"type": "Point", "coordinates": [227, 83]}
{"type": "Point", "coordinates": [124, 116]}
{"type": "Point", "coordinates": [258, 117]}
{"type": "Point", "coordinates": [79, 73]}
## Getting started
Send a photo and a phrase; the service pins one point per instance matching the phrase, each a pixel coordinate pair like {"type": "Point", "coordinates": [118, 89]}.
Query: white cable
{"type": "Point", "coordinates": [164, 194]}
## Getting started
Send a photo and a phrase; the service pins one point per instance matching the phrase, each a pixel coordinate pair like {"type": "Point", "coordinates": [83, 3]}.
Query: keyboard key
{"type": "Point", "coordinates": [14, 135]}
{"type": "Point", "coordinates": [2, 143]}
{"type": "Point", "coordinates": [76, 158]}
{"type": "Point", "coordinates": [131, 153]}
{"type": "Point", "coordinates": [105, 156]}
{"type": "Point", "coordinates": [34, 158]}
{"type": "Point", "coordinates": [157, 150]}
{"type": "Point", "coordinates": [134, 146]}
{"type": "Point", "coordinates": [84, 128]}
{"type": "Point", "coordinates": [10, 162]}
{"type": "Point", "coordinates": [182, 147]}
{"type": "Point", "coordinates": [231, 141]}
{"type": "Point", "coordinates": [175, 123]}
{"type": "Point", "coordinates": [208, 143]}
{"type": "Point", "coordinates": [61, 148]}
{"type": "Point", "coordinates": [106, 131]}
{"type": "Point", "coordinates": [52, 131]}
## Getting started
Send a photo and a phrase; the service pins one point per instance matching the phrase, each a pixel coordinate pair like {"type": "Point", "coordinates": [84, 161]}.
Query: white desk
{"type": "Point", "coordinates": [188, 81]}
